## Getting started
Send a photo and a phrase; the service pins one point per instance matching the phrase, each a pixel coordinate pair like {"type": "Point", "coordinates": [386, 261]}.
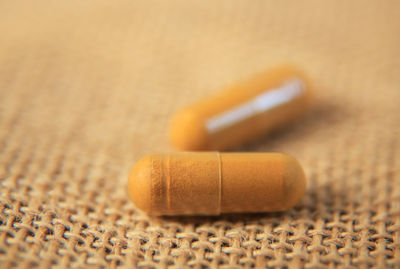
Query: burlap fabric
{"type": "Point", "coordinates": [88, 87]}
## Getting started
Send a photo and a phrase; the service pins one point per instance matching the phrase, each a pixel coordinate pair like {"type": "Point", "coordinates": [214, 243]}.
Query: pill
{"type": "Point", "coordinates": [242, 112]}
{"type": "Point", "coordinates": [211, 183]}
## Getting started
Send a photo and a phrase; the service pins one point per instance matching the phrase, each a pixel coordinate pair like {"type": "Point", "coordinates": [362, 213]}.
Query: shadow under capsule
{"type": "Point", "coordinates": [232, 218]}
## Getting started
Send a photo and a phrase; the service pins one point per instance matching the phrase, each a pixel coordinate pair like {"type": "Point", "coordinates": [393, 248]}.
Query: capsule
{"type": "Point", "coordinates": [243, 112]}
{"type": "Point", "coordinates": [211, 183]}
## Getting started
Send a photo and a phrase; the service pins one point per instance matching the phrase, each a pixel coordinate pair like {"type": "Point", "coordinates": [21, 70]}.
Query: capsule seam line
{"type": "Point", "coordinates": [219, 182]}
{"type": "Point", "coordinates": [152, 186]}
{"type": "Point", "coordinates": [168, 174]}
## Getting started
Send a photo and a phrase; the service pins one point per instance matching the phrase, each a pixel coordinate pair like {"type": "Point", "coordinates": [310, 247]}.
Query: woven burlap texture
{"type": "Point", "coordinates": [89, 87]}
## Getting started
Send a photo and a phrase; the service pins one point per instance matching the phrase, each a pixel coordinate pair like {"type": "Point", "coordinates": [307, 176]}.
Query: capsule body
{"type": "Point", "coordinates": [210, 183]}
{"type": "Point", "coordinates": [243, 111]}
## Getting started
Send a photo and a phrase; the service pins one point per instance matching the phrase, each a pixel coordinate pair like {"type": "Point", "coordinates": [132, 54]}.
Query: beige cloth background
{"type": "Point", "coordinates": [88, 87]}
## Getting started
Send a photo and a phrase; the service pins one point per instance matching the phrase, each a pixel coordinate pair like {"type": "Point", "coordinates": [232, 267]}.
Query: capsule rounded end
{"type": "Point", "coordinates": [294, 182]}
{"type": "Point", "coordinates": [139, 184]}
{"type": "Point", "coordinates": [188, 132]}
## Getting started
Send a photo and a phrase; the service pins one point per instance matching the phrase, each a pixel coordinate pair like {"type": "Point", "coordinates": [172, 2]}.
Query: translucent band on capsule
{"type": "Point", "coordinates": [261, 103]}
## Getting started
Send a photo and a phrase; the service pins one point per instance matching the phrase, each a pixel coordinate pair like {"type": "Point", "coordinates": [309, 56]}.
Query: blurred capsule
{"type": "Point", "coordinates": [243, 112]}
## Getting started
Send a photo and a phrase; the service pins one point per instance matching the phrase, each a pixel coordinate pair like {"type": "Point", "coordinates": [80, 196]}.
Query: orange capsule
{"type": "Point", "coordinates": [210, 183]}
{"type": "Point", "coordinates": [243, 112]}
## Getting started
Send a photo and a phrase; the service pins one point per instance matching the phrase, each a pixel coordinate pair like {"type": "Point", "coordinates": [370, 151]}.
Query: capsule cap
{"type": "Point", "coordinates": [177, 184]}
{"type": "Point", "coordinates": [188, 132]}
